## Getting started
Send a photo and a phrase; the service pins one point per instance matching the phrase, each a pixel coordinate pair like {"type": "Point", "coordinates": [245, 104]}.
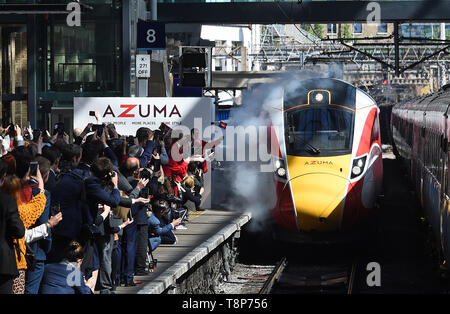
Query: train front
{"type": "Point", "coordinates": [328, 169]}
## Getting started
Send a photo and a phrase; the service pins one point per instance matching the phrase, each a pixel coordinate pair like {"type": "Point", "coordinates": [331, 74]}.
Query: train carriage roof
{"type": "Point", "coordinates": [437, 102]}
{"type": "Point", "coordinates": [342, 93]}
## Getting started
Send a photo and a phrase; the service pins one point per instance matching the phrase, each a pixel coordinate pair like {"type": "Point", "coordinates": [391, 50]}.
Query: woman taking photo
{"type": "Point", "coordinates": [29, 213]}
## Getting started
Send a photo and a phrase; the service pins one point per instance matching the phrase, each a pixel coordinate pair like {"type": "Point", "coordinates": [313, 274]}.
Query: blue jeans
{"type": "Point", "coordinates": [154, 242]}
{"type": "Point", "coordinates": [33, 278]}
{"type": "Point", "coordinates": [128, 252]}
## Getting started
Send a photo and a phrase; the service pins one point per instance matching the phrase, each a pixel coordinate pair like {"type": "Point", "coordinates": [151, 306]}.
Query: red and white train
{"type": "Point", "coordinates": [420, 129]}
{"type": "Point", "coordinates": [328, 166]}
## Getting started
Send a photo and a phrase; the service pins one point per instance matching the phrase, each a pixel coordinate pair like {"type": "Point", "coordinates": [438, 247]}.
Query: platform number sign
{"type": "Point", "coordinates": [143, 66]}
{"type": "Point", "coordinates": [151, 35]}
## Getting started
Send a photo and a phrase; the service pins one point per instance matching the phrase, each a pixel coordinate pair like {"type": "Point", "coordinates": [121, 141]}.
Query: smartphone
{"type": "Point", "coordinates": [157, 164]}
{"type": "Point", "coordinates": [98, 128]}
{"type": "Point", "coordinates": [92, 113]}
{"type": "Point", "coordinates": [183, 214]}
{"type": "Point", "coordinates": [33, 168]}
{"type": "Point", "coordinates": [11, 131]}
{"type": "Point", "coordinates": [55, 209]}
{"type": "Point", "coordinates": [58, 128]}
{"type": "Point", "coordinates": [28, 124]}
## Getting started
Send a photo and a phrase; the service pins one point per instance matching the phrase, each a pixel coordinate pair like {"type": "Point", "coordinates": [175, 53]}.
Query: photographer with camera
{"type": "Point", "coordinates": [139, 212]}
{"type": "Point", "coordinates": [190, 199]}
{"type": "Point", "coordinates": [80, 136]}
{"type": "Point", "coordinates": [101, 189]}
{"type": "Point", "coordinates": [145, 140]}
{"type": "Point", "coordinates": [160, 148]}
{"type": "Point", "coordinates": [160, 230]}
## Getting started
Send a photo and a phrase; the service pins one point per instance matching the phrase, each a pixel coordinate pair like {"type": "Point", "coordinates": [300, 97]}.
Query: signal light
{"type": "Point", "coordinates": [192, 67]}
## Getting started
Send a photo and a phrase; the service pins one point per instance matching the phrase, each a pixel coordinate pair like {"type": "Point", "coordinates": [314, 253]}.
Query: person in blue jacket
{"type": "Point", "coordinates": [160, 232]}
{"type": "Point", "coordinates": [66, 277]}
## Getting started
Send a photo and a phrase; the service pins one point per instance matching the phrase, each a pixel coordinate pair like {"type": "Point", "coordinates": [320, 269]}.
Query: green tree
{"type": "Point", "coordinates": [345, 32]}
{"type": "Point", "coordinates": [318, 30]}
{"type": "Point", "coordinates": [315, 29]}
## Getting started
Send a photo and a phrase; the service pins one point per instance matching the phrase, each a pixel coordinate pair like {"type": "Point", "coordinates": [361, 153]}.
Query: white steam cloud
{"type": "Point", "coordinates": [242, 185]}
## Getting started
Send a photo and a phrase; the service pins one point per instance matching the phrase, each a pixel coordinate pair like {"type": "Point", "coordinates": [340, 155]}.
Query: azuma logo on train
{"type": "Point", "coordinates": [318, 162]}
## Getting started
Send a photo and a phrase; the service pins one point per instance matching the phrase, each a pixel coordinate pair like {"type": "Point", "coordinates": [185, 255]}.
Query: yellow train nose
{"type": "Point", "coordinates": [319, 200]}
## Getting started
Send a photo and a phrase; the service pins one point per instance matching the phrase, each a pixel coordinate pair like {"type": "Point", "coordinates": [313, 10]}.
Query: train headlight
{"type": "Point", "coordinates": [319, 97]}
{"type": "Point", "coordinates": [280, 169]}
{"type": "Point", "coordinates": [358, 166]}
{"type": "Point", "coordinates": [281, 172]}
{"type": "Point", "coordinates": [356, 171]}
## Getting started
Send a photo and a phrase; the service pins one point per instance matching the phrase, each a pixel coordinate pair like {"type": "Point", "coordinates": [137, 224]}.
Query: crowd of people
{"type": "Point", "coordinates": [82, 215]}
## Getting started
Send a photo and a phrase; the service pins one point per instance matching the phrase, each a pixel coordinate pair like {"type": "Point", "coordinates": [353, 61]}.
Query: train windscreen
{"type": "Point", "coordinates": [319, 131]}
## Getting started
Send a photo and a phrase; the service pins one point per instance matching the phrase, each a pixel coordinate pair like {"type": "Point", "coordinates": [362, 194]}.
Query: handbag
{"type": "Point", "coordinates": [30, 257]}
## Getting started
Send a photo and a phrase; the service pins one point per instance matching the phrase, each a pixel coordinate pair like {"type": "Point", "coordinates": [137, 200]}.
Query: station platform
{"type": "Point", "coordinates": [206, 230]}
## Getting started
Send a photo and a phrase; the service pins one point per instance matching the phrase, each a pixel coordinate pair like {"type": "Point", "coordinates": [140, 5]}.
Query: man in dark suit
{"type": "Point", "coordinates": [11, 227]}
{"type": "Point", "coordinates": [101, 188]}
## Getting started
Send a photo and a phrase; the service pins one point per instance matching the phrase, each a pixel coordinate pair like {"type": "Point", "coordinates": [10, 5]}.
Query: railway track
{"type": "Point", "coordinates": [305, 279]}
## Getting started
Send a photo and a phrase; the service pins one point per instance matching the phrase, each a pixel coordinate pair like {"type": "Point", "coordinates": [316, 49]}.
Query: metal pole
{"type": "Point", "coordinates": [397, 50]}
{"type": "Point", "coordinates": [31, 69]}
{"type": "Point", "coordinates": [443, 35]}
{"type": "Point", "coordinates": [143, 82]}
{"type": "Point", "coordinates": [126, 48]}
{"type": "Point", "coordinates": [154, 4]}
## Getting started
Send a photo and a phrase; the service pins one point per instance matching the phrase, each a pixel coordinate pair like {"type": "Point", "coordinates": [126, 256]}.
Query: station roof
{"type": "Point", "coordinates": [291, 12]}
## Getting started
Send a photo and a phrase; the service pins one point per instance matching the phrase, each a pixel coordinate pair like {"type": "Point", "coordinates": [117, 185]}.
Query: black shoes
{"type": "Point", "coordinates": [142, 273]}
{"type": "Point", "coordinates": [130, 284]}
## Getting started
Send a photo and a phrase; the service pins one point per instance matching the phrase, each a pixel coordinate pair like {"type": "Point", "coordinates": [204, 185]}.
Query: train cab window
{"type": "Point", "coordinates": [375, 129]}
{"type": "Point", "coordinates": [321, 131]}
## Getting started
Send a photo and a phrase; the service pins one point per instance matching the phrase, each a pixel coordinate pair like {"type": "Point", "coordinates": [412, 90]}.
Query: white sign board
{"type": "Point", "coordinates": [130, 113]}
{"type": "Point", "coordinates": [143, 66]}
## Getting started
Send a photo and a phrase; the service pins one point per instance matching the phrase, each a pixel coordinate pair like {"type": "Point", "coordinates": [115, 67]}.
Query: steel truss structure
{"type": "Point", "coordinates": [403, 60]}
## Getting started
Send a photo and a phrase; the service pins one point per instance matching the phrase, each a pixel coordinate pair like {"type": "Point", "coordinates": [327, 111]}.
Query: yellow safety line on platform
{"type": "Point", "coordinates": [194, 214]}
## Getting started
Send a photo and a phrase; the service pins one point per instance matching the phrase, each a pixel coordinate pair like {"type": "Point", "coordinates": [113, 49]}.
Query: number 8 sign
{"type": "Point", "coordinates": [151, 35]}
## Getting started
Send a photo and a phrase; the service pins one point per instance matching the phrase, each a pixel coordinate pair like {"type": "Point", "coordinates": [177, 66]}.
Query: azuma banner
{"type": "Point", "coordinates": [130, 113]}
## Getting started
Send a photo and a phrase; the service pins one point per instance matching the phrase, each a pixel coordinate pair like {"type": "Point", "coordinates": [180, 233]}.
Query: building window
{"type": "Point", "coordinates": [78, 62]}
{"type": "Point", "coordinates": [357, 28]}
{"type": "Point", "coordinates": [331, 29]}
{"type": "Point", "coordinates": [382, 28]}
